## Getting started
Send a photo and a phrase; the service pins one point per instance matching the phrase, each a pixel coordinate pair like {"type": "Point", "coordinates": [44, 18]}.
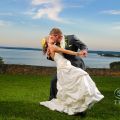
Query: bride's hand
{"type": "Point", "coordinates": [82, 53]}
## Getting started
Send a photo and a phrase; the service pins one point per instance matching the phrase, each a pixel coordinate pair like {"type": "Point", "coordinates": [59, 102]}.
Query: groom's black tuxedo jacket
{"type": "Point", "coordinates": [74, 44]}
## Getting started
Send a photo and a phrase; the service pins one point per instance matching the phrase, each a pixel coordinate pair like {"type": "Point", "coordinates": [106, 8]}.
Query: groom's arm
{"type": "Point", "coordinates": [79, 44]}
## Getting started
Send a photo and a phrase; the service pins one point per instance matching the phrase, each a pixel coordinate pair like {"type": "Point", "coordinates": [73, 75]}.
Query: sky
{"type": "Point", "coordinates": [23, 23]}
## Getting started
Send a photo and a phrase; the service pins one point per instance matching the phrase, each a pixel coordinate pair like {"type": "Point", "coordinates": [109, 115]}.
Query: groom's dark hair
{"type": "Point", "coordinates": [55, 31]}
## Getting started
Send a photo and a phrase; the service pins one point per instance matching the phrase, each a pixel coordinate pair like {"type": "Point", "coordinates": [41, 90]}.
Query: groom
{"type": "Point", "coordinates": [69, 42]}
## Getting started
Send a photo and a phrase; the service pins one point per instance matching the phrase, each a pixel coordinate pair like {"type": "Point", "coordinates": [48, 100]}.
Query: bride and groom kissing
{"type": "Point", "coordinates": [72, 89]}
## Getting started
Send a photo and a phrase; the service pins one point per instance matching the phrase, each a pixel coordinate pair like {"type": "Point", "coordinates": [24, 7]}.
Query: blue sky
{"type": "Point", "coordinates": [95, 22]}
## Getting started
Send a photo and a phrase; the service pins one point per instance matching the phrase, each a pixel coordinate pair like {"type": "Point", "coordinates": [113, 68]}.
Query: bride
{"type": "Point", "coordinates": [76, 90]}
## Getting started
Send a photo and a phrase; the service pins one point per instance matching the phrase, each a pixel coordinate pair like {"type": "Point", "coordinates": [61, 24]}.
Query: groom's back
{"type": "Point", "coordinates": [73, 43]}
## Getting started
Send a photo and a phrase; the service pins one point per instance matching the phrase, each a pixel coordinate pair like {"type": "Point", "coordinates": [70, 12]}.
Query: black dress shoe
{"type": "Point", "coordinates": [83, 114]}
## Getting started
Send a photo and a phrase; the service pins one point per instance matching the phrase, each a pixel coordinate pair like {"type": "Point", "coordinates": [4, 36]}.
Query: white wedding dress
{"type": "Point", "coordinates": [76, 90]}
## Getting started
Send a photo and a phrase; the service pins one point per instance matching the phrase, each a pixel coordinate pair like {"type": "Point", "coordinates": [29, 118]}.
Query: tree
{"type": "Point", "coordinates": [1, 60]}
{"type": "Point", "coordinates": [115, 65]}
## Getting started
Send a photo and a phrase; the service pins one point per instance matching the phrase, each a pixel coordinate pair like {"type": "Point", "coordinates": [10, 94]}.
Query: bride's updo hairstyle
{"type": "Point", "coordinates": [44, 45]}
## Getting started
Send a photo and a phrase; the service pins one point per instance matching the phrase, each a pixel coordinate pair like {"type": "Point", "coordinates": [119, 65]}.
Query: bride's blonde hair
{"type": "Point", "coordinates": [44, 45]}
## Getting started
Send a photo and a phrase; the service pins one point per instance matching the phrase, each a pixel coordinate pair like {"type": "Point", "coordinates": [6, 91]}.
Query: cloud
{"type": "Point", "coordinates": [4, 23]}
{"type": "Point", "coordinates": [47, 8]}
{"type": "Point", "coordinates": [111, 12]}
{"type": "Point", "coordinates": [75, 6]}
{"type": "Point", "coordinates": [38, 2]}
{"type": "Point", "coordinates": [30, 12]}
{"type": "Point", "coordinates": [116, 28]}
{"type": "Point", "coordinates": [77, 3]}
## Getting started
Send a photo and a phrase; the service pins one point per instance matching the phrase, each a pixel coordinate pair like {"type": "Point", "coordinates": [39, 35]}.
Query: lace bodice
{"type": "Point", "coordinates": [61, 61]}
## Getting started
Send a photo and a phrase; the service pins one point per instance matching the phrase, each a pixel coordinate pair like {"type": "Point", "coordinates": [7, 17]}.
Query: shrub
{"type": "Point", "coordinates": [115, 65]}
{"type": "Point", "coordinates": [1, 60]}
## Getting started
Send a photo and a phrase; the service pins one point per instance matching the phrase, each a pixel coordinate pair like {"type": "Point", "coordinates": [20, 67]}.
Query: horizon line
{"type": "Point", "coordinates": [40, 49]}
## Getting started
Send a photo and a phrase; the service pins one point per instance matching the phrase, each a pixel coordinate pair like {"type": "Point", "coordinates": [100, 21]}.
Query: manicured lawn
{"type": "Point", "coordinates": [20, 96]}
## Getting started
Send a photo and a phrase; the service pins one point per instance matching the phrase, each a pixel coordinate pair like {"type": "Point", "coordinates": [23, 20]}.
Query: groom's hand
{"type": "Point", "coordinates": [83, 53]}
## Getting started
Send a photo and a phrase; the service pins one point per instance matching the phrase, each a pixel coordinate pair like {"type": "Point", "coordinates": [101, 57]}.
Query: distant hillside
{"type": "Point", "coordinates": [20, 48]}
{"type": "Point", "coordinates": [102, 53]}
{"type": "Point", "coordinates": [105, 52]}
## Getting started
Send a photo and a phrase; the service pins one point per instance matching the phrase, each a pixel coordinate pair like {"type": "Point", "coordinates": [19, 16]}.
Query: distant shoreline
{"type": "Point", "coordinates": [20, 48]}
{"type": "Point", "coordinates": [116, 53]}
{"type": "Point", "coordinates": [109, 55]}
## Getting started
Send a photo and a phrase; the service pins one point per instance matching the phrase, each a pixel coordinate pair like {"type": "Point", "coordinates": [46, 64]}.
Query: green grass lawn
{"type": "Point", "coordinates": [20, 96]}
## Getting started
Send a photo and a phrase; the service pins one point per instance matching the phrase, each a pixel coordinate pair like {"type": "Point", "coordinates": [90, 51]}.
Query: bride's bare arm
{"type": "Point", "coordinates": [62, 50]}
